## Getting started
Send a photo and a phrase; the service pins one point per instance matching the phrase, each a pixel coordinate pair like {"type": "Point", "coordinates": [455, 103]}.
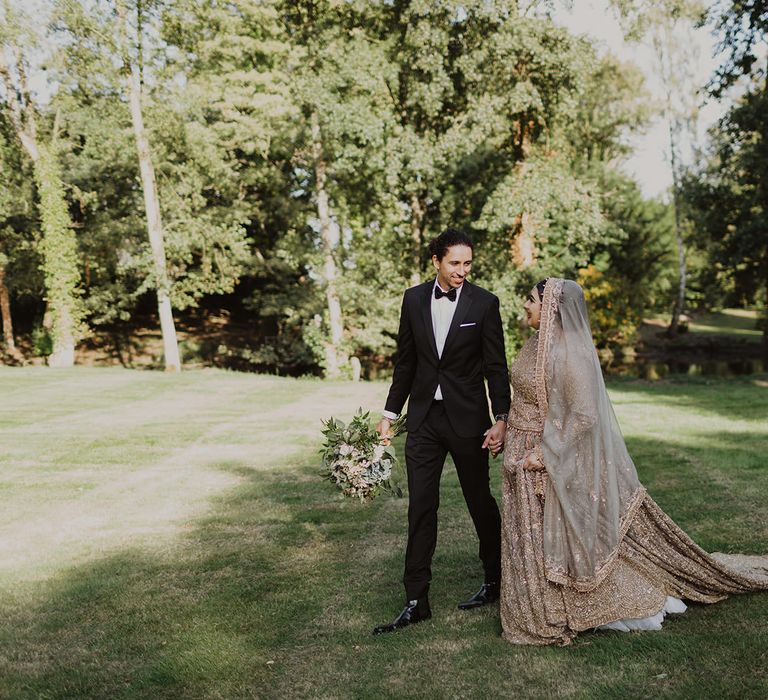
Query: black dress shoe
{"type": "Point", "coordinates": [414, 611]}
{"type": "Point", "coordinates": [488, 593]}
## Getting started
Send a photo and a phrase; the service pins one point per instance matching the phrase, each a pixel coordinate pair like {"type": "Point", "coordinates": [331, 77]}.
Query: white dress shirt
{"type": "Point", "coordinates": [442, 314]}
{"type": "Point", "coordinates": [442, 311]}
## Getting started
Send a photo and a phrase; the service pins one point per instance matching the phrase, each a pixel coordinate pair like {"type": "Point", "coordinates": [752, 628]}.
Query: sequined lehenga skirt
{"type": "Point", "coordinates": [657, 563]}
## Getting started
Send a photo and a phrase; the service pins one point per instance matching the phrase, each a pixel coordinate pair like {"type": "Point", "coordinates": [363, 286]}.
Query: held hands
{"type": "Point", "coordinates": [494, 437]}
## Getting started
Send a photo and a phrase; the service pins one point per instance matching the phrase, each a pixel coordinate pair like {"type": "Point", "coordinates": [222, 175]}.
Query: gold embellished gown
{"type": "Point", "coordinates": [657, 563]}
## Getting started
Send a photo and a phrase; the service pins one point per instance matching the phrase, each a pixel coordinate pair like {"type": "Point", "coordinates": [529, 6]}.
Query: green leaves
{"type": "Point", "coordinates": [431, 114]}
{"type": "Point", "coordinates": [59, 250]}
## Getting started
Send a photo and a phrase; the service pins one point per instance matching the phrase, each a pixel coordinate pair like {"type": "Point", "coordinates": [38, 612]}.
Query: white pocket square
{"type": "Point", "coordinates": [464, 325]}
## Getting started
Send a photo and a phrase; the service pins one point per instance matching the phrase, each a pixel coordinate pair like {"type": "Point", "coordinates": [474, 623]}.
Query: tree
{"type": "Point", "coordinates": [20, 274]}
{"type": "Point", "coordinates": [614, 102]}
{"type": "Point", "coordinates": [483, 105]}
{"type": "Point", "coordinates": [729, 192]}
{"type": "Point", "coordinates": [305, 152]}
{"type": "Point", "coordinates": [132, 68]}
{"type": "Point", "coordinates": [743, 28]}
{"type": "Point", "coordinates": [667, 27]}
{"type": "Point", "coordinates": [729, 199]}
{"type": "Point", "coordinates": [194, 158]}
{"type": "Point", "coordinates": [541, 213]}
{"type": "Point", "coordinates": [675, 59]}
{"type": "Point", "coordinates": [343, 110]}
{"type": "Point", "coordinates": [7, 196]}
{"type": "Point", "coordinates": [58, 243]}
{"type": "Point", "coordinates": [633, 271]}
{"type": "Point", "coordinates": [444, 128]}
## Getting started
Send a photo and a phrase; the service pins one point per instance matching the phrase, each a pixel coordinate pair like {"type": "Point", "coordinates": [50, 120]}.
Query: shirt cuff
{"type": "Point", "coordinates": [390, 415]}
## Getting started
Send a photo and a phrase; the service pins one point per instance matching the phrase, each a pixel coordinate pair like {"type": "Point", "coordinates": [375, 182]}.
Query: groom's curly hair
{"type": "Point", "coordinates": [439, 245]}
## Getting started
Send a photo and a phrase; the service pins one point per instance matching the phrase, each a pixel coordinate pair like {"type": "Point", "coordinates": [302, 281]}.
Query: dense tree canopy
{"type": "Point", "coordinates": [728, 194]}
{"type": "Point", "coordinates": [306, 152]}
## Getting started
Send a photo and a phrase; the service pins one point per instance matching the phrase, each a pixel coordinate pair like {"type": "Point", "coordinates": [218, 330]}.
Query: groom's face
{"type": "Point", "coordinates": [454, 266]}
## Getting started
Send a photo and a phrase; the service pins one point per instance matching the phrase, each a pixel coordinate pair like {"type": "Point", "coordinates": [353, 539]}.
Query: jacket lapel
{"type": "Point", "coordinates": [464, 302]}
{"type": "Point", "coordinates": [426, 312]}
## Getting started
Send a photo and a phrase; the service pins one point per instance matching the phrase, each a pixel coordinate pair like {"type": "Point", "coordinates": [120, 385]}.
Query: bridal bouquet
{"type": "Point", "coordinates": [357, 459]}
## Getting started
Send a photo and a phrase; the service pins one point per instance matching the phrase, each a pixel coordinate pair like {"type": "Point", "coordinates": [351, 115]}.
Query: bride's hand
{"type": "Point", "coordinates": [532, 462]}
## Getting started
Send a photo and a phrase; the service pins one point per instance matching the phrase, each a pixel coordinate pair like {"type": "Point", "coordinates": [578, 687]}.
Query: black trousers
{"type": "Point", "coordinates": [425, 453]}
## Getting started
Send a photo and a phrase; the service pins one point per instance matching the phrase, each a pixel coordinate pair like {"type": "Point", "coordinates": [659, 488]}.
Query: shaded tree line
{"type": "Point", "coordinates": [283, 165]}
{"type": "Point", "coordinates": [727, 194]}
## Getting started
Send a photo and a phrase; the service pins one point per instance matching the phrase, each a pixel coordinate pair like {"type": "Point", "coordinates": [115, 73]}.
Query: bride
{"type": "Point", "coordinates": [583, 545]}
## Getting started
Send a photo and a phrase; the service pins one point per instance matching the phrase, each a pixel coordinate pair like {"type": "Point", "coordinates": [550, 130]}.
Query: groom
{"type": "Point", "coordinates": [450, 339]}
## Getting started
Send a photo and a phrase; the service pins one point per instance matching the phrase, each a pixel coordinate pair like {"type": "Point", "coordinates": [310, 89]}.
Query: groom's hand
{"type": "Point", "coordinates": [494, 437]}
{"type": "Point", "coordinates": [384, 428]}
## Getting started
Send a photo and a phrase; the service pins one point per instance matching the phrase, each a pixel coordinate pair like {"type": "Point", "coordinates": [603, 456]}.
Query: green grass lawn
{"type": "Point", "coordinates": [731, 322]}
{"type": "Point", "coordinates": [742, 322]}
{"type": "Point", "coordinates": [169, 537]}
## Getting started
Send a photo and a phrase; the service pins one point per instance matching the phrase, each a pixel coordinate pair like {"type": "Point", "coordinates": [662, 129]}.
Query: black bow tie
{"type": "Point", "coordinates": [439, 293]}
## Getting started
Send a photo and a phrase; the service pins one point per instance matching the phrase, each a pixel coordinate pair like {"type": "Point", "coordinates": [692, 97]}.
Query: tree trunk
{"type": "Point", "coordinates": [60, 328]}
{"type": "Point", "coordinates": [5, 313]}
{"type": "Point", "coordinates": [764, 188]}
{"type": "Point", "coordinates": [417, 218]}
{"type": "Point", "coordinates": [333, 351]}
{"type": "Point", "coordinates": [765, 318]}
{"type": "Point", "coordinates": [151, 204]}
{"type": "Point", "coordinates": [674, 67]}
{"type": "Point", "coordinates": [681, 266]}
{"type": "Point", "coordinates": [522, 247]}
{"type": "Point", "coordinates": [522, 243]}
{"type": "Point", "coordinates": [58, 245]}
{"type": "Point", "coordinates": [60, 260]}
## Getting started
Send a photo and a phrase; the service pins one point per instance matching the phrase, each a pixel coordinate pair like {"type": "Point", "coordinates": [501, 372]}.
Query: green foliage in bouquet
{"type": "Point", "coordinates": [357, 459]}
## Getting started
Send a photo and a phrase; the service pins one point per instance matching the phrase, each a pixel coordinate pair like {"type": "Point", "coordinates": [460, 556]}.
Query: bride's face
{"type": "Point", "coordinates": [532, 308]}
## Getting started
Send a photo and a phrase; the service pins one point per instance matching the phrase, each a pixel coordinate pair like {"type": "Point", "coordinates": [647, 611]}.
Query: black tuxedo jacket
{"type": "Point", "coordinates": [474, 351]}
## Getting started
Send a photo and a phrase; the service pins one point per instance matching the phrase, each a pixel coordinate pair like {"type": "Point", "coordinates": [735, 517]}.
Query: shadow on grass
{"type": "Point", "coordinates": [206, 617]}
{"type": "Point", "coordinates": [275, 592]}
